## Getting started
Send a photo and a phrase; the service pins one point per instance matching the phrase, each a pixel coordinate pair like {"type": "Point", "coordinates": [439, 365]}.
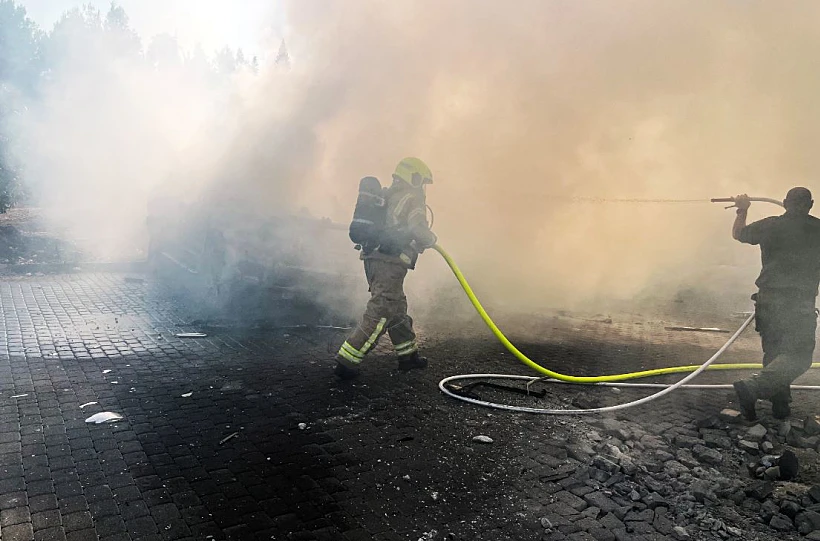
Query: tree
{"type": "Point", "coordinates": [225, 61]}
{"type": "Point", "coordinates": [20, 54]}
{"type": "Point", "coordinates": [20, 66]}
{"type": "Point", "coordinates": [164, 53]}
{"type": "Point", "coordinates": [77, 33]}
{"type": "Point", "coordinates": [10, 186]}
{"type": "Point", "coordinates": [83, 35]}
{"type": "Point", "coordinates": [282, 57]}
{"type": "Point", "coordinates": [32, 61]}
{"type": "Point", "coordinates": [197, 61]}
{"type": "Point", "coordinates": [120, 34]}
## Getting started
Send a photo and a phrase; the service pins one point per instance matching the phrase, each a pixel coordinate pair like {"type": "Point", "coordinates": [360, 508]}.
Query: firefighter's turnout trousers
{"type": "Point", "coordinates": [786, 321]}
{"type": "Point", "coordinates": [386, 312]}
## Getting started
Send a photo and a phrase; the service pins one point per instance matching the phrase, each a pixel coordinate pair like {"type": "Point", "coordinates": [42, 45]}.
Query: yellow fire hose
{"type": "Point", "coordinates": [564, 377]}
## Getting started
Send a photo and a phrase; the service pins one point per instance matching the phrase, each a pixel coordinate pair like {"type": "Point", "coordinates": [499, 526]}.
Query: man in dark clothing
{"type": "Point", "coordinates": [785, 313]}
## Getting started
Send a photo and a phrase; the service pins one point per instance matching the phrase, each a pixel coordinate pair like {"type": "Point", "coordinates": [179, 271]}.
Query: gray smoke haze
{"type": "Point", "coordinates": [110, 131]}
{"type": "Point", "coordinates": [518, 107]}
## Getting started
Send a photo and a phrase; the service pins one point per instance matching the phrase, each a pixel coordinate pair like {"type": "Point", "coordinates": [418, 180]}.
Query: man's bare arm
{"type": "Point", "coordinates": [742, 203]}
{"type": "Point", "coordinates": [740, 223]}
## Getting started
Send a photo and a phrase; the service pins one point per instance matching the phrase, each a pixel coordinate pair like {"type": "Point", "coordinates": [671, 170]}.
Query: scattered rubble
{"type": "Point", "coordinates": [679, 482]}
{"type": "Point", "coordinates": [756, 433]}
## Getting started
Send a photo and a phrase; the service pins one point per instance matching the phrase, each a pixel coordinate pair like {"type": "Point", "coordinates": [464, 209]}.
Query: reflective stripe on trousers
{"type": "Point", "coordinates": [355, 356]}
{"type": "Point", "coordinates": [406, 348]}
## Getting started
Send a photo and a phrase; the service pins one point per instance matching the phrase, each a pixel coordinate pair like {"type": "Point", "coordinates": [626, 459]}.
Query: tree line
{"type": "Point", "coordinates": [31, 57]}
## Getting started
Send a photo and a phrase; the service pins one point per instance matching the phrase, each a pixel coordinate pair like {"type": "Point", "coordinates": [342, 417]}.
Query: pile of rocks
{"type": "Point", "coordinates": [620, 482]}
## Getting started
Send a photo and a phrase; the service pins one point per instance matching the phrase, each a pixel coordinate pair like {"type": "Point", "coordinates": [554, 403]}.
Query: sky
{"type": "Point", "coordinates": [253, 25]}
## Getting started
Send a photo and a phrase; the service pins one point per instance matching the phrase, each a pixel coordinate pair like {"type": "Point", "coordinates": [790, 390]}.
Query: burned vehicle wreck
{"type": "Point", "coordinates": [284, 269]}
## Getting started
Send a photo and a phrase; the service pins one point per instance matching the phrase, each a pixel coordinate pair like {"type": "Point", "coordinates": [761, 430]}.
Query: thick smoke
{"type": "Point", "coordinates": [522, 109]}
{"type": "Point", "coordinates": [521, 106]}
{"type": "Point", "coordinates": [118, 122]}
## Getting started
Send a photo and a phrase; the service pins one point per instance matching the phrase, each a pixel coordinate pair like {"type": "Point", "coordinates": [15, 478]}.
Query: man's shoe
{"type": "Point", "coordinates": [343, 372]}
{"type": "Point", "coordinates": [411, 362]}
{"type": "Point", "coordinates": [780, 407]}
{"type": "Point", "coordinates": [788, 464]}
{"type": "Point", "coordinates": [747, 399]}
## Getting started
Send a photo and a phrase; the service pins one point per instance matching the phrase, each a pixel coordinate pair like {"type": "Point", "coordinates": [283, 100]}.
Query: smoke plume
{"type": "Point", "coordinates": [525, 111]}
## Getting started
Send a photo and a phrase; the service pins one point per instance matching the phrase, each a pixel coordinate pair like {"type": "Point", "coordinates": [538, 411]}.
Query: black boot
{"type": "Point", "coordinates": [412, 361]}
{"type": "Point", "coordinates": [343, 372]}
{"type": "Point", "coordinates": [789, 466]}
{"type": "Point", "coordinates": [780, 406]}
{"type": "Point", "coordinates": [747, 399]}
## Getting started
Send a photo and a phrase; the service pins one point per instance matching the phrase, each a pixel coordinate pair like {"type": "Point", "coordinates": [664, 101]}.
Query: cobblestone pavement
{"type": "Point", "coordinates": [247, 436]}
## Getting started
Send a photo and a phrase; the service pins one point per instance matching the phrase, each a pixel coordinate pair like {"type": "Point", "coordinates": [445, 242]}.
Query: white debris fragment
{"type": "Point", "coordinates": [482, 439]}
{"type": "Point", "coordinates": [191, 335]}
{"type": "Point", "coordinates": [406, 477]}
{"type": "Point", "coordinates": [87, 404]}
{"type": "Point", "coordinates": [302, 426]}
{"type": "Point", "coordinates": [106, 371]}
{"type": "Point", "coordinates": [696, 329]}
{"type": "Point", "coordinates": [20, 395]}
{"type": "Point", "coordinates": [434, 495]}
{"type": "Point", "coordinates": [229, 437]}
{"type": "Point", "coordinates": [104, 417]}
{"type": "Point", "coordinates": [187, 395]}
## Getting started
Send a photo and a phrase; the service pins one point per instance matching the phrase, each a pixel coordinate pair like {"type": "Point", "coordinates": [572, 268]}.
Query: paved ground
{"type": "Point", "coordinates": [247, 436]}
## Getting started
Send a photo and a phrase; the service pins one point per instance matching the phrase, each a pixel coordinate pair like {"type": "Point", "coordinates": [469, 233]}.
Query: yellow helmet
{"type": "Point", "coordinates": [414, 172]}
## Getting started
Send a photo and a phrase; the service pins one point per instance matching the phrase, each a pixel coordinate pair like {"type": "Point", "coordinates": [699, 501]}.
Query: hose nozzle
{"type": "Point", "coordinates": [724, 200]}
{"type": "Point", "coordinates": [732, 200]}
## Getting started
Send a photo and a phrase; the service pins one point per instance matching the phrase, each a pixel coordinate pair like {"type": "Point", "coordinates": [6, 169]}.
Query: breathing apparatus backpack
{"type": "Point", "coordinates": [369, 216]}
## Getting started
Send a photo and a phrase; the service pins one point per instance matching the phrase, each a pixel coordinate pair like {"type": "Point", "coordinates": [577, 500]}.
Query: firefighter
{"type": "Point", "coordinates": [785, 314]}
{"type": "Point", "coordinates": [405, 235]}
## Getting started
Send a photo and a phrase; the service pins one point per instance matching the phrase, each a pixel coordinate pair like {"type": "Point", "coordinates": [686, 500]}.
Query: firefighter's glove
{"type": "Point", "coordinates": [742, 202]}
{"type": "Point", "coordinates": [428, 241]}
